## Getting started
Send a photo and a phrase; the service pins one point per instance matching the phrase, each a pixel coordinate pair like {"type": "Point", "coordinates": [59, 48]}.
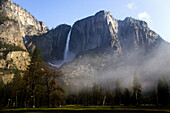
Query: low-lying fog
{"type": "Point", "coordinates": [105, 70]}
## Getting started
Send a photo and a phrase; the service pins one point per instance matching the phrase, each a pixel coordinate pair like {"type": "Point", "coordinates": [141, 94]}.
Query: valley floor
{"type": "Point", "coordinates": [90, 109]}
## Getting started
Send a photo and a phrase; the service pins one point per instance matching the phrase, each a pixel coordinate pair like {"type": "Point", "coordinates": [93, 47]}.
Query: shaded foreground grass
{"type": "Point", "coordinates": [91, 109]}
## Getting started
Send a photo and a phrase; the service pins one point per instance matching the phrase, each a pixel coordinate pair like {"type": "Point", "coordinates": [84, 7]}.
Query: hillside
{"type": "Point", "coordinates": [15, 24]}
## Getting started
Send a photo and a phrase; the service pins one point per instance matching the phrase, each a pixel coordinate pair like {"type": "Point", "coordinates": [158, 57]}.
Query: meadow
{"type": "Point", "coordinates": [90, 109]}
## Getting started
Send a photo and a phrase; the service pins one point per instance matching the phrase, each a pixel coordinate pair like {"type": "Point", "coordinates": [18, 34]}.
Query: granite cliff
{"type": "Point", "coordinates": [98, 34]}
{"type": "Point", "coordinates": [15, 24]}
{"type": "Point", "coordinates": [103, 31]}
{"type": "Point", "coordinates": [98, 31]}
{"type": "Point", "coordinates": [27, 23]}
{"type": "Point", "coordinates": [51, 44]}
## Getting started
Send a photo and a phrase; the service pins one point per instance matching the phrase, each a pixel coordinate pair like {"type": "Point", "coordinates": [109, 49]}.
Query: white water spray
{"type": "Point", "coordinates": [67, 46]}
{"type": "Point", "coordinates": [58, 64]}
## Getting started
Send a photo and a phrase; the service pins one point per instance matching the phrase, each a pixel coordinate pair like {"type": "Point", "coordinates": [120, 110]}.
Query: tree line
{"type": "Point", "coordinates": [38, 87]}
{"type": "Point", "coordinates": [132, 96]}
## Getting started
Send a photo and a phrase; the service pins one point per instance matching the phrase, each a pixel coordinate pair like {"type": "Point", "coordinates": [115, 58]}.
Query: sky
{"type": "Point", "coordinates": [55, 12]}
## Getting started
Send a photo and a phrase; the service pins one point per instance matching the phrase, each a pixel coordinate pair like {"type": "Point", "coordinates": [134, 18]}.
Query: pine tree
{"type": "Point", "coordinates": [154, 96]}
{"type": "Point", "coordinates": [33, 77]}
{"type": "Point", "coordinates": [110, 97]}
{"type": "Point", "coordinates": [163, 91]}
{"type": "Point", "coordinates": [1, 93]}
{"type": "Point", "coordinates": [17, 87]}
{"type": "Point", "coordinates": [118, 93]}
{"type": "Point", "coordinates": [98, 94]}
{"type": "Point", "coordinates": [127, 97]}
{"type": "Point", "coordinates": [137, 90]}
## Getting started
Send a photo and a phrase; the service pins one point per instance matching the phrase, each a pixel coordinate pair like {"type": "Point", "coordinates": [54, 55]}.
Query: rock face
{"type": "Point", "coordinates": [13, 52]}
{"type": "Point", "coordinates": [7, 78]}
{"type": "Point", "coordinates": [51, 44]}
{"type": "Point", "coordinates": [134, 34]}
{"type": "Point", "coordinates": [98, 31]}
{"type": "Point", "coordinates": [10, 33]}
{"type": "Point", "coordinates": [20, 59]}
{"type": "Point", "coordinates": [27, 23]}
{"type": "Point", "coordinates": [103, 31]}
{"type": "Point", "coordinates": [15, 24]}
{"type": "Point", "coordinates": [79, 75]}
{"type": "Point", "coordinates": [15, 60]}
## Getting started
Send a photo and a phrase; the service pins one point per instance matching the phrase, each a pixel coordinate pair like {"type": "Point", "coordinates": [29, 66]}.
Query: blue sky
{"type": "Point", "coordinates": [54, 12]}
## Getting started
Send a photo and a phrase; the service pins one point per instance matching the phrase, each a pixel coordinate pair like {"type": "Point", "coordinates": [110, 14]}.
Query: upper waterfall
{"type": "Point", "coordinates": [67, 55]}
{"type": "Point", "coordinates": [66, 51]}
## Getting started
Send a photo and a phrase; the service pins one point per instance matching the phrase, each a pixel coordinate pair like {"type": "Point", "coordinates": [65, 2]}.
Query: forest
{"type": "Point", "coordinates": [39, 87]}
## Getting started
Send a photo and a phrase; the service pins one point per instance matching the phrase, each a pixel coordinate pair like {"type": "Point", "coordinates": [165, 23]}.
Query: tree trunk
{"type": "Point", "coordinates": [8, 103]}
{"type": "Point", "coordinates": [104, 100]}
{"type": "Point", "coordinates": [48, 98]}
{"type": "Point", "coordinates": [16, 104]}
{"type": "Point", "coordinates": [33, 101]}
{"type": "Point", "coordinates": [25, 103]}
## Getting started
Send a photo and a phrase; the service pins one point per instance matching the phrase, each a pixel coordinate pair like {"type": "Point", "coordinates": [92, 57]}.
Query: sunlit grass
{"type": "Point", "coordinates": [90, 108]}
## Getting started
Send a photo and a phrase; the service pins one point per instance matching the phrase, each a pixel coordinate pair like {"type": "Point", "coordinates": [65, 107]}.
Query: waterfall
{"type": "Point", "coordinates": [58, 64]}
{"type": "Point", "coordinates": [66, 51]}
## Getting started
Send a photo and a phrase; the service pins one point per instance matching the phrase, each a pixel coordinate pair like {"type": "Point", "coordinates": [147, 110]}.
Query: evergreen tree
{"type": "Point", "coordinates": [33, 77]}
{"type": "Point", "coordinates": [85, 96]}
{"type": "Point", "coordinates": [127, 97]}
{"type": "Point", "coordinates": [137, 90]}
{"type": "Point", "coordinates": [17, 88]}
{"type": "Point", "coordinates": [154, 96]}
{"type": "Point", "coordinates": [163, 91]}
{"type": "Point", "coordinates": [98, 94]}
{"type": "Point", "coordinates": [8, 100]}
{"type": "Point", "coordinates": [118, 93]}
{"type": "Point", "coordinates": [1, 93]}
{"type": "Point", "coordinates": [110, 97]}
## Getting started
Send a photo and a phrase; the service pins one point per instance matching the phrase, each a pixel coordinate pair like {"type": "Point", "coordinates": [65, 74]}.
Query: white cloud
{"type": "Point", "coordinates": [131, 5]}
{"type": "Point", "coordinates": [144, 16]}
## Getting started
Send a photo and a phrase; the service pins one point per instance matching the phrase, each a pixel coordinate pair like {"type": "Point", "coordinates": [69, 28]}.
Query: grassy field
{"type": "Point", "coordinates": [90, 109]}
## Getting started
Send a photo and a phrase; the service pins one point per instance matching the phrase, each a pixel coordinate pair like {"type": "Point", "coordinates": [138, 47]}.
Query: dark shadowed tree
{"type": "Point", "coordinates": [118, 93]}
{"type": "Point", "coordinates": [50, 74]}
{"type": "Point", "coordinates": [127, 97]}
{"type": "Point", "coordinates": [97, 94]}
{"type": "Point", "coordinates": [163, 91]}
{"type": "Point", "coordinates": [110, 97]}
{"type": "Point", "coordinates": [33, 77]}
{"type": "Point", "coordinates": [1, 93]}
{"type": "Point", "coordinates": [8, 100]}
{"type": "Point", "coordinates": [57, 96]}
{"type": "Point", "coordinates": [18, 89]}
{"type": "Point", "coordinates": [85, 96]}
{"type": "Point", "coordinates": [154, 96]}
{"type": "Point", "coordinates": [137, 90]}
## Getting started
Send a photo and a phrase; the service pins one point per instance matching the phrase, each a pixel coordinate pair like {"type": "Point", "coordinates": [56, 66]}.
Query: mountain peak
{"type": "Point", "coordinates": [136, 21]}
{"type": "Point", "coordinates": [103, 12]}
{"type": "Point", "coordinates": [27, 23]}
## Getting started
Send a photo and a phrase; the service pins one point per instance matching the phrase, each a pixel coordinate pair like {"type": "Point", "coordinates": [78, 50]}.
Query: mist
{"type": "Point", "coordinates": [149, 68]}
{"type": "Point", "coordinates": [105, 69]}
